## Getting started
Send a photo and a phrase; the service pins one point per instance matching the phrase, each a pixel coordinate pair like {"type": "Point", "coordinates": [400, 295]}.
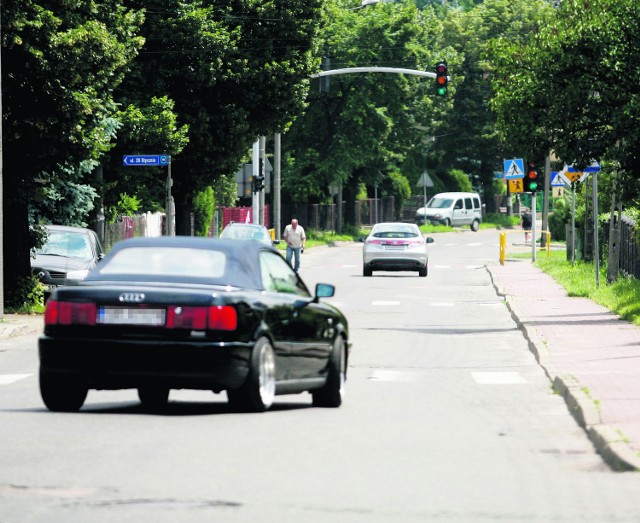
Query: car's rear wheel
{"type": "Point", "coordinates": [61, 393]}
{"type": "Point", "coordinates": [367, 271]}
{"type": "Point", "coordinates": [333, 391]}
{"type": "Point", "coordinates": [475, 225]}
{"type": "Point", "coordinates": [153, 397]}
{"type": "Point", "coordinates": [258, 392]}
{"type": "Point", "coordinates": [423, 271]}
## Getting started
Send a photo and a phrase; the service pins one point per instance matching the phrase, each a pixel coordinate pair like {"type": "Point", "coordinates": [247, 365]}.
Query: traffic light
{"type": "Point", "coordinates": [258, 183]}
{"type": "Point", "coordinates": [532, 179]}
{"type": "Point", "coordinates": [441, 78]}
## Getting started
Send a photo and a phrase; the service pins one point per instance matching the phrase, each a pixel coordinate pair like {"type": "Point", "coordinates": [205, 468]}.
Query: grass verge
{"type": "Point", "coordinates": [621, 297]}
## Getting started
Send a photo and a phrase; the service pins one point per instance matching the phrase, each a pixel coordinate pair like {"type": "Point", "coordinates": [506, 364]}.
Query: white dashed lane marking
{"type": "Point", "coordinates": [8, 379]}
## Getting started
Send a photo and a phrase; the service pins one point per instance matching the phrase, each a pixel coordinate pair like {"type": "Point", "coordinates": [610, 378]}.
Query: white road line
{"type": "Point", "coordinates": [392, 375]}
{"type": "Point", "coordinates": [442, 267]}
{"type": "Point", "coordinates": [7, 379]}
{"type": "Point", "coordinates": [383, 303]}
{"type": "Point", "coordinates": [442, 304]}
{"type": "Point", "coordinates": [498, 378]}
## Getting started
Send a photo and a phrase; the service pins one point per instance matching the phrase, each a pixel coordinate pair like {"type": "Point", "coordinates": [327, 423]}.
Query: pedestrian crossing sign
{"type": "Point", "coordinates": [514, 168]}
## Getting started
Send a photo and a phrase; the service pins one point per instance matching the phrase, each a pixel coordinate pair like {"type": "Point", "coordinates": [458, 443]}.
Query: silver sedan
{"type": "Point", "coordinates": [395, 247]}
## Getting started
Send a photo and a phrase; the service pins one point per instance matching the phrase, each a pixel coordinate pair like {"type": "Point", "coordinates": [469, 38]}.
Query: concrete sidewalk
{"type": "Point", "coordinates": [591, 356]}
{"type": "Point", "coordinates": [12, 325]}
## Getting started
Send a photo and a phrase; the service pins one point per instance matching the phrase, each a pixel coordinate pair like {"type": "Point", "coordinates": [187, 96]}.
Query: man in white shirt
{"type": "Point", "coordinates": [296, 240]}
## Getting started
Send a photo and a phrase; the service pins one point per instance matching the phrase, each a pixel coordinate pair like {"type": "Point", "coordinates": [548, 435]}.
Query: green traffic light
{"type": "Point", "coordinates": [442, 91]}
{"type": "Point", "coordinates": [532, 186]}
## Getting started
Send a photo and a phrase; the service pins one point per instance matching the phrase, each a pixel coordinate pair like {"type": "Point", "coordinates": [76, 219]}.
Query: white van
{"type": "Point", "coordinates": [452, 208]}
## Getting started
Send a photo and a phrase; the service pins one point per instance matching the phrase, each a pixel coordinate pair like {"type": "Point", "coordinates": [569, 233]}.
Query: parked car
{"type": "Point", "coordinates": [395, 247]}
{"type": "Point", "coordinates": [452, 208]}
{"type": "Point", "coordinates": [193, 313]}
{"type": "Point", "coordinates": [66, 256]}
{"type": "Point", "coordinates": [248, 231]}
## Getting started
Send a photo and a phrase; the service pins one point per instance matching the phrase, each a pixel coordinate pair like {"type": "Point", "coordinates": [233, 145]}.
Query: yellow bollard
{"type": "Point", "coordinates": [548, 243]}
{"type": "Point", "coordinates": [503, 246]}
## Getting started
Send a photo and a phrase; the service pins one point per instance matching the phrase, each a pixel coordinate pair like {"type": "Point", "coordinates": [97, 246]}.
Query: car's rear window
{"type": "Point", "coordinates": [396, 233]}
{"type": "Point", "coordinates": [243, 233]}
{"type": "Point", "coordinates": [167, 261]}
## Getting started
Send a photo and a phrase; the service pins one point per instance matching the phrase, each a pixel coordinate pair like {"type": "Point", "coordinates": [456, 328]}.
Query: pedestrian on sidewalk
{"type": "Point", "coordinates": [526, 222]}
{"type": "Point", "coordinates": [296, 240]}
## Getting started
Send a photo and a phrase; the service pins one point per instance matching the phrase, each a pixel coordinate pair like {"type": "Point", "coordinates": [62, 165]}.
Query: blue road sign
{"type": "Point", "coordinates": [593, 168]}
{"type": "Point", "coordinates": [514, 168]}
{"type": "Point", "coordinates": [556, 181]}
{"type": "Point", "coordinates": [145, 160]}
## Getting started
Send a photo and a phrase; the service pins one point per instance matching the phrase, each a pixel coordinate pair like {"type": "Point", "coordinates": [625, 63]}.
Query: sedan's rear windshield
{"type": "Point", "coordinates": [440, 203]}
{"type": "Point", "coordinates": [396, 233]}
{"type": "Point", "coordinates": [167, 261]}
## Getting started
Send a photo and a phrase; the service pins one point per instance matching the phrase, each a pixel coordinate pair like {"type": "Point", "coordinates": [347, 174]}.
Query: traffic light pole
{"type": "Point", "coordinates": [533, 226]}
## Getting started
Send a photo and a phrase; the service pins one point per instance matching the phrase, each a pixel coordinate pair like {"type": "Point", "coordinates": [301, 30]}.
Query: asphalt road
{"type": "Point", "coordinates": [448, 418]}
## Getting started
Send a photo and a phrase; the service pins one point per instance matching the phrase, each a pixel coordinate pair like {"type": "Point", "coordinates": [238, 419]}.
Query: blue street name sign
{"type": "Point", "coordinates": [145, 160]}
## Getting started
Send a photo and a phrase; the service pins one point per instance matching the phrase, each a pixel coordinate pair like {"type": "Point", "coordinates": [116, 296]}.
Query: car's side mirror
{"type": "Point", "coordinates": [275, 242]}
{"type": "Point", "coordinates": [429, 239]}
{"type": "Point", "coordinates": [325, 290]}
{"type": "Point", "coordinates": [362, 239]}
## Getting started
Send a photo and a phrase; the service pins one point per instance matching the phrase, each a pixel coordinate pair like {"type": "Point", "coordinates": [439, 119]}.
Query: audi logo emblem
{"type": "Point", "coordinates": [131, 297]}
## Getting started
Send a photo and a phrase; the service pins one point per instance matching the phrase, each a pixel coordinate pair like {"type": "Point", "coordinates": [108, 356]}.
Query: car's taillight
{"type": "Point", "coordinates": [187, 317]}
{"type": "Point", "coordinates": [69, 313]}
{"type": "Point", "coordinates": [374, 241]}
{"type": "Point", "coordinates": [217, 317]}
{"type": "Point", "coordinates": [223, 317]}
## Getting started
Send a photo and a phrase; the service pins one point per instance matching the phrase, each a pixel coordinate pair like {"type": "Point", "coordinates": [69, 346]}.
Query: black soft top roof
{"type": "Point", "coordinates": [242, 267]}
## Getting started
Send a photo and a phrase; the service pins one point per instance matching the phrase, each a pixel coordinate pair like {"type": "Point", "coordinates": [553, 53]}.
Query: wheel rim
{"type": "Point", "coordinates": [267, 378]}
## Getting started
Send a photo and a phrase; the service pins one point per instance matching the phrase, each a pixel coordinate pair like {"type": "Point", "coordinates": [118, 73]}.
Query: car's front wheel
{"type": "Point", "coordinates": [62, 394]}
{"type": "Point", "coordinates": [333, 391]}
{"type": "Point", "coordinates": [153, 398]}
{"type": "Point", "coordinates": [258, 392]}
{"type": "Point", "coordinates": [475, 225]}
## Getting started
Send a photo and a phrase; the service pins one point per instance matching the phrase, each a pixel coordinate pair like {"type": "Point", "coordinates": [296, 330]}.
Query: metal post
{"type": "Point", "coordinates": [170, 209]}
{"type": "Point", "coordinates": [276, 184]}
{"type": "Point", "coordinates": [596, 247]}
{"type": "Point", "coordinates": [255, 203]}
{"type": "Point", "coordinates": [263, 173]}
{"type": "Point", "coordinates": [573, 224]}
{"type": "Point", "coordinates": [533, 226]}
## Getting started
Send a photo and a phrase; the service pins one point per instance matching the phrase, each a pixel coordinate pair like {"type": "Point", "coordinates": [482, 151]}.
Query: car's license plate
{"type": "Point", "coordinates": [130, 316]}
{"type": "Point", "coordinates": [394, 247]}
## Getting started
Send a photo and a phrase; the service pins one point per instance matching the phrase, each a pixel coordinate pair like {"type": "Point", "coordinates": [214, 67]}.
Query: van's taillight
{"type": "Point", "coordinates": [218, 317]}
{"type": "Point", "coordinates": [69, 313]}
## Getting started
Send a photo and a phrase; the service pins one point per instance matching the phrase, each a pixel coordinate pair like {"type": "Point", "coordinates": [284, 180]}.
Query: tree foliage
{"type": "Point", "coordinates": [235, 70]}
{"type": "Point", "coordinates": [60, 64]}
{"type": "Point", "coordinates": [365, 126]}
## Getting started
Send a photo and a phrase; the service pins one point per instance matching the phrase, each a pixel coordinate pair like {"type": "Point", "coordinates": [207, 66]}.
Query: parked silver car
{"type": "Point", "coordinates": [395, 246]}
{"type": "Point", "coordinates": [66, 256]}
{"type": "Point", "coordinates": [248, 231]}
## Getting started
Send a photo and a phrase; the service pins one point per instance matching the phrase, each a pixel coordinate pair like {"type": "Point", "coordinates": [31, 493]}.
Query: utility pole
{"type": "Point", "coordinates": [1, 199]}
{"type": "Point", "coordinates": [276, 184]}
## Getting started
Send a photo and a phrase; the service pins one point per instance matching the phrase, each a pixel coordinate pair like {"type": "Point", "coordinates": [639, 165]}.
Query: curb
{"type": "Point", "coordinates": [608, 442]}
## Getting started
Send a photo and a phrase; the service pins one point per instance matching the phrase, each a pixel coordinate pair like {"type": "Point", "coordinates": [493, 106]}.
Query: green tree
{"type": "Point", "coordinates": [59, 69]}
{"type": "Point", "coordinates": [365, 126]}
{"type": "Point", "coordinates": [235, 70]}
{"type": "Point", "coordinates": [467, 139]}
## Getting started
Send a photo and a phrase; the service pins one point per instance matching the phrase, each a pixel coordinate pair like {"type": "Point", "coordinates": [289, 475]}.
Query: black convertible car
{"type": "Point", "coordinates": [196, 313]}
